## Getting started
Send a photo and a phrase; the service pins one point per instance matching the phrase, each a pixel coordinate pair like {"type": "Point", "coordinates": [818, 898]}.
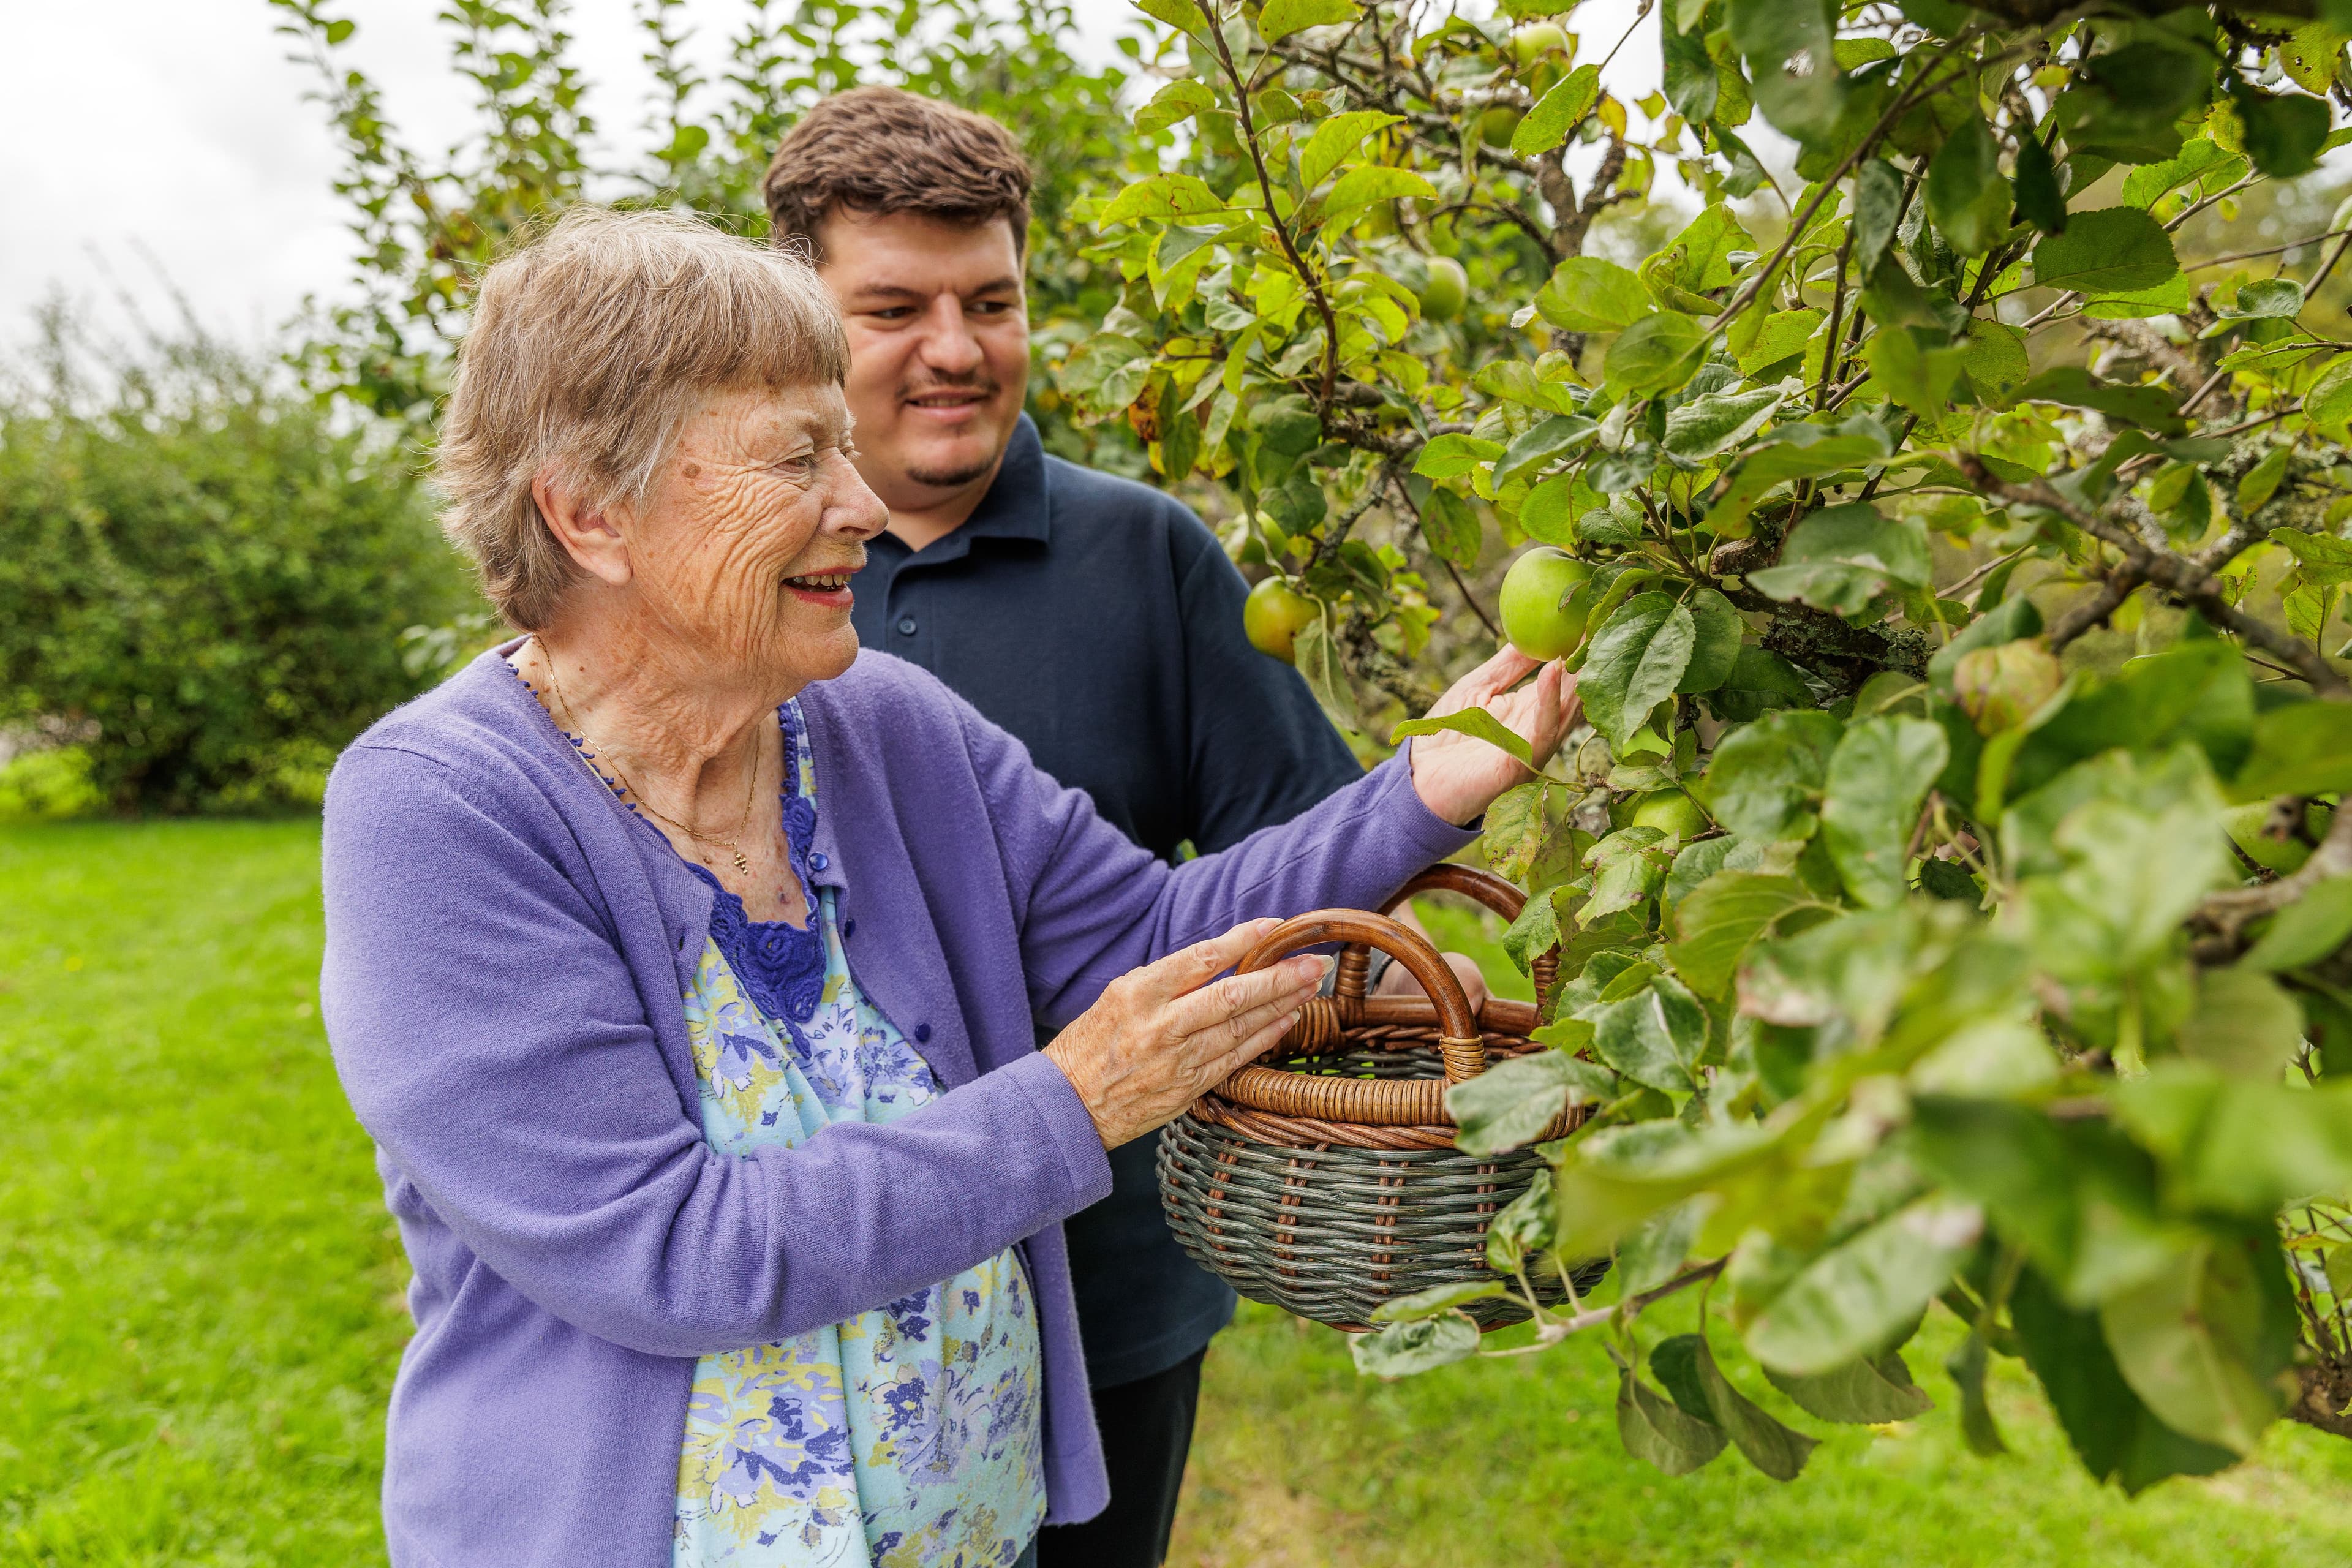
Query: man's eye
{"type": "Point", "coordinates": [892, 312]}
{"type": "Point", "coordinates": [991, 308]}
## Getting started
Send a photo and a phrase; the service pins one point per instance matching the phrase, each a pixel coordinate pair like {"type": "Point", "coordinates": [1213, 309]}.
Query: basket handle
{"type": "Point", "coordinates": [1484, 887]}
{"type": "Point", "coordinates": [1464, 1048]}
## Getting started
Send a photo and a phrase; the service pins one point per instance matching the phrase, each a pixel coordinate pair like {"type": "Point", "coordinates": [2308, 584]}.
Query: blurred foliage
{"type": "Point", "coordinates": [425, 226]}
{"type": "Point", "coordinates": [202, 577]}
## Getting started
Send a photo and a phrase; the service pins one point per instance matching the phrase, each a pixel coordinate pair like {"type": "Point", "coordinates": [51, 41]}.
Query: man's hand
{"type": "Point", "coordinates": [1398, 980]}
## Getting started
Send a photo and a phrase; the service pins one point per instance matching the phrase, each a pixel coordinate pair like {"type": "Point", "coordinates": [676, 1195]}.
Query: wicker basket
{"type": "Point", "coordinates": [1324, 1179]}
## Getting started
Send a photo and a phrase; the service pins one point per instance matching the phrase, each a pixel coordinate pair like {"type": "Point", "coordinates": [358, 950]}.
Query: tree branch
{"type": "Point", "coordinates": [2184, 580]}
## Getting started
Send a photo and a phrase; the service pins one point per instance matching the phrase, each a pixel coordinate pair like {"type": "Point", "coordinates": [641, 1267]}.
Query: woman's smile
{"type": "Point", "coordinates": [829, 589]}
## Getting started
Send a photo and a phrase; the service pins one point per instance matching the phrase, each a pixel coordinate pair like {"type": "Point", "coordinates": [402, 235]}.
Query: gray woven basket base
{"type": "Point", "coordinates": [1331, 1234]}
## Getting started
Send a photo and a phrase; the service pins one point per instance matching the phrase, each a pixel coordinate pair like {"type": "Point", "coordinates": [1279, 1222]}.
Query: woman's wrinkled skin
{"type": "Point", "coordinates": [696, 615]}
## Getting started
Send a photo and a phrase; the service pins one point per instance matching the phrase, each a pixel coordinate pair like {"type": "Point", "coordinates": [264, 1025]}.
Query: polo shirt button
{"type": "Point", "coordinates": [922, 1034]}
{"type": "Point", "coordinates": [906, 625]}
{"type": "Point", "coordinates": [817, 862]}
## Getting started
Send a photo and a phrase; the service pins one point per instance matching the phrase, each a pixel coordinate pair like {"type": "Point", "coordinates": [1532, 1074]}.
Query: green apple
{"type": "Point", "coordinates": [1447, 290]}
{"type": "Point", "coordinates": [2245, 824]}
{"type": "Point", "coordinates": [1273, 615]}
{"type": "Point", "coordinates": [1671, 811]}
{"type": "Point", "coordinates": [1537, 619]}
{"type": "Point", "coordinates": [1495, 126]}
{"type": "Point", "coordinates": [1537, 40]}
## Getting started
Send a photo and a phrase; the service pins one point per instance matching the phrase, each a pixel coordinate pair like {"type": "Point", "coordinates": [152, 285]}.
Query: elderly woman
{"type": "Point", "coordinates": [682, 962]}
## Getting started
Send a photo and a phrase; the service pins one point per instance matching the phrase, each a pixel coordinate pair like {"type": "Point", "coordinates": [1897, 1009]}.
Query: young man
{"type": "Point", "coordinates": [1095, 618]}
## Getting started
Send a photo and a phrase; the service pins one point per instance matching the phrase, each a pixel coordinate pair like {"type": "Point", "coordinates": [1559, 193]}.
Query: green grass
{"type": "Point", "coordinates": [199, 1316]}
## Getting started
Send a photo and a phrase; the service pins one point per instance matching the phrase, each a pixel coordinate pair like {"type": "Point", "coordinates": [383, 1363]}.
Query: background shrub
{"type": "Point", "coordinates": [208, 569]}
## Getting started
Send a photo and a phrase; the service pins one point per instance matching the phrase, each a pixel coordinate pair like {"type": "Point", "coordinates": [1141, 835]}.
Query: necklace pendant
{"type": "Point", "coordinates": [741, 865]}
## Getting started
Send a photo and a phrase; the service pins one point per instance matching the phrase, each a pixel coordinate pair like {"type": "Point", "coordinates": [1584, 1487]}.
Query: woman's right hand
{"type": "Point", "coordinates": [1161, 1036]}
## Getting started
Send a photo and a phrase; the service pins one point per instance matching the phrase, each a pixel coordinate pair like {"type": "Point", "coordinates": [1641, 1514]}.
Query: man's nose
{"type": "Point", "coordinates": [949, 346]}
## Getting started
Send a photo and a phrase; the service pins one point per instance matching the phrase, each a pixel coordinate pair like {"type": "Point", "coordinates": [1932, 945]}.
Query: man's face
{"type": "Point", "coordinates": [939, 347]}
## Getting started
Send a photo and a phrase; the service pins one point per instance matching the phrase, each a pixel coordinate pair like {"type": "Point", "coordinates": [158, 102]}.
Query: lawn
{"type": "Point", "coordinates": [199, 1316]}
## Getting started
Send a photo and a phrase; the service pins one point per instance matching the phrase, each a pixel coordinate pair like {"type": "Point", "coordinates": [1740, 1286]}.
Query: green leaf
{"type": "Point", "coordinates": [1401, 1350]}
{"type": "Point", "coordinates": [1557, 112]}
{"type": "Point", "coordinates": [1967, 1366]}
{"type": "Point", "coordinates": [1919, 379]}
{"type": "Point", "coordinates": [2267, 298]}
{"type": "Point", "coordinates": [2116, 1436]}
{"type": "Point", "coordinates": [1628, 867]}
{"type": "Point", "coordinates": [2262, 480]}
{"type": "Point", "coordinates": [1773, 1448]}
{"type": "Point", "coordinates": [1996, 362]}
{"type": "Point", "coordinates": [1452, 455]}
{"type": "Point", "coordinates": [1715, 645]}
{"type": "Point", "coordinates": [2243, 1023]}
{"type": "Point", "coordinates": [1653, 1254]}
{"type": "Point", "coordinates": [1690, 81]}
{"type": "Point", "coordinates": [1708, 423]}
{"type": "Point", "coordinates": [1369, 183]}
{"type": "Point", "coordinates": [1181, 15]}
{"type": "Point", "coordinates": [2284, 132]}
{"type": "Point", "coordinates": [1535, 932]}
{"type": "Point", "coordinates": [1842, 557]}
{"type": "Point", "coordinates": [1718, 921]}
{"type": "Point", "coordinates": [2151, 407]}
{"type": "Point", "coordinates": [1656, 353]}
{"type": "Point", "coordinates": [1759, 681]}
{"type": "Point", "coordinates": [2040, 201]}
{"type": "Point", "coordinates": [1527, 1225]}
{"type": "Point", "coordinates": [1877, 208]}
{"type": "Point", "coordinates": [1519, 825]}
{"type": "Point", "coordinates": [1637, 658]}
{"type": "Point", "coordinates": [1795, 451]}
{"type": "Point", "coordinates": [1511, 1103]}
{"type": "Point", "coordinates": [1178, 101]}
{"type": "Point", "coordinates": [2303, 748]}
{"type": "Point", "coordinates": [2112, 251]}
{"type": "Point", "coordinates": [2329, 401]}
{"type": "Point", "coordinates": [1163, 196]}
{"type": "Point", "coordinates": [1283, 17]}
{"type": "Point", "coordinates": [1587, 294]}
{"type": "Point", "coordinates": [1333, 140]}
{"type": "Point", "coordinates": [1319, 662]}
{"type": "Point", "coordinates": [1767, 777]}
{"type": "Point", "coordinates": [1437, 1301]}
{"type": "Point", "coordinates": [1878, 779]}
{"type": "Point", "coordinates": [1450, 528]}
{"type": "Point", "coordinates": [1655, 1037]}
{"type": "Point", "coordinates": [1474, 723]}
{"type": "Point", "coordinates": [2306, 930]}
{"type": "Point", "coordinates": [1853, 1296]}
{"type": "Point", "coordinates": [1778, 36]}
{"type": "Point", "coordinates": [1865, 1391]}
{"type": "Point", "coordinates": [1966, 197]}
{"type": "Point", "coordinates": [1660, 1433]}
{"type": "Point", "coordinates": [1540, 443]}
{"type": "Point", "coordinates": [2203, 1343]}
{"type": "Point", "coordinates": [340, 29]}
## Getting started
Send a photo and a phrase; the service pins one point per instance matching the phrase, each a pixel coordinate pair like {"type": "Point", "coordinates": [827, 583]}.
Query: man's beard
{"type": "Point", "coordinates": [961, 473]}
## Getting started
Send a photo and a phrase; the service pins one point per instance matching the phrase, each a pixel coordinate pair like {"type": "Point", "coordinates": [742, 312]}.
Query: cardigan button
{"type": "Point", "coordinates": [849, 928]}
{"type": "Point", "coordinates": [817, 862]}
{"type": "Point", "coordinates": [922, 1034]}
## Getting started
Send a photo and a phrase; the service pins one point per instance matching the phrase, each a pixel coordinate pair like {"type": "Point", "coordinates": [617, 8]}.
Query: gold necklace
{"type": "Point", "coordinates": [751, 795]}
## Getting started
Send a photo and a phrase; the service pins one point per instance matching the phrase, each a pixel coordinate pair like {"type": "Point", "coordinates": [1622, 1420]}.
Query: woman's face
{"type": "Point", "coordinates": [742, 553]}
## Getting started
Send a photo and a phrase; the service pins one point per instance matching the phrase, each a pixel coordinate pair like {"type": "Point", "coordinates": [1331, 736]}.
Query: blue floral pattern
{"type": "Point", "coordinates": [908, 1437]}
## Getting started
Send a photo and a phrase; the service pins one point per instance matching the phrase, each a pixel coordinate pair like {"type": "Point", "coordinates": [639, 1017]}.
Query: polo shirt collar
{"type": "Point", "coordinates": [1014, 508]}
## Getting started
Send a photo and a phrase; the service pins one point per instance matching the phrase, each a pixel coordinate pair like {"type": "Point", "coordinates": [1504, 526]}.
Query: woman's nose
{"type": "Point", "coordinates": [854, 509]}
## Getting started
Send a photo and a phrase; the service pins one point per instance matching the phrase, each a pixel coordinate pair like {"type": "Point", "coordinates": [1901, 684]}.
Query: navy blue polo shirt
{"type": "Point", "coordinates": [1099, 621]}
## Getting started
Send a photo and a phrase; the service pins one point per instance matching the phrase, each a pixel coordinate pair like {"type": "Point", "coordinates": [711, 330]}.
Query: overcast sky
{"type": "Point", "coordinates": [172, 135]}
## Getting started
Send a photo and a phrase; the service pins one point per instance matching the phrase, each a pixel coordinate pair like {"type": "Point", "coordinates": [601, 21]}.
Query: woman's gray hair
{"type": "Point", "coordinates": [590, 349]}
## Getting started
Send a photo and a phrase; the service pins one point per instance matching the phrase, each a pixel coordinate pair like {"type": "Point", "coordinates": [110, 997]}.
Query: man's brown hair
{"type": "Point", "coordinates": [879, 149]}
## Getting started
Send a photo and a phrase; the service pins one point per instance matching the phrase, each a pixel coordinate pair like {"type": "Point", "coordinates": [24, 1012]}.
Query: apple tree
{"type": "Point", "coordinates": [1951, 893]}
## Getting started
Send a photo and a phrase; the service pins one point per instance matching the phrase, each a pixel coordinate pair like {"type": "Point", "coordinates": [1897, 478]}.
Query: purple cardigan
{"type": "Point", "coordinates": [506, 949]}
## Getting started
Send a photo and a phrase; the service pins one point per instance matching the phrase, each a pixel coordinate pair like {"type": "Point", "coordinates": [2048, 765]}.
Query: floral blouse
{"type": "Point", "coordinates": [909, 1435]}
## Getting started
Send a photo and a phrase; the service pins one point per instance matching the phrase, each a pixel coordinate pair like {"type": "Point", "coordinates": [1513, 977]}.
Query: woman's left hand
{"type": "Point", "coordinates": [1458, 777]}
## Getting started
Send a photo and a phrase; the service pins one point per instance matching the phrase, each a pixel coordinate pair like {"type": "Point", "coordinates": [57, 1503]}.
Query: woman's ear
{"type": "Point", "coordinates": [586, 535]}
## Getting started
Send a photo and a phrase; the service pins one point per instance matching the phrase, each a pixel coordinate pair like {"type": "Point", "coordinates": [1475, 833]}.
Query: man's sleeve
{"type": "Point", "coordinates": [1261, 750]}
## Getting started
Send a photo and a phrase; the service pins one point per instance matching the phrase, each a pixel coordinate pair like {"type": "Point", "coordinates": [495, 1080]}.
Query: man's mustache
{"type": "Point", "coordinates": [985, 386]}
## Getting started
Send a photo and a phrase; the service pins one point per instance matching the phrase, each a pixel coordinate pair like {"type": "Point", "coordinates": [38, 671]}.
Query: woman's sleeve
{"type": "Point", "coordinates": [491, 1038]}
{"type": "Point", "coordinates": [1093, 905]}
